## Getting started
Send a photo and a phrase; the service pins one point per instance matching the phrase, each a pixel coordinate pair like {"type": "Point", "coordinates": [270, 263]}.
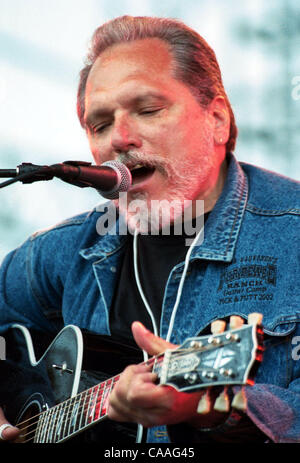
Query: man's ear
{"type": "Point", "coordinates": [221, 117]}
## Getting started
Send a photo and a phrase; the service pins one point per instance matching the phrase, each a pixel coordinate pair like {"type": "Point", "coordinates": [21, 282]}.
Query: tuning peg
{"type": "Point", "coordinates": [204, 405]}
{"type": "Point", "coordinates": [222, 402]}
{"type": "Point", "coordinates": [218, 326]}
{"type": "Point", "coordinates": [235, 322]}
{"type": "Point", "coordinates": [255, 318]}
{"type": "Point", "coordinates": [240, 401]}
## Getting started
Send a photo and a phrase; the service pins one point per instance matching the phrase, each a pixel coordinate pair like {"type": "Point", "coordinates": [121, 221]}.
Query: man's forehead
{"type": "Point", "coordinates": [150, 46]}
{"type": "Point", "coordinates": [139, 68]}
{"type": "Point", "coordinates": [132, 57]}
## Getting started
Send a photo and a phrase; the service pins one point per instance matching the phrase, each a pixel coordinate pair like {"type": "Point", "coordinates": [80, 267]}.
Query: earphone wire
{"type": "Point", "coordinates": [148, 308]}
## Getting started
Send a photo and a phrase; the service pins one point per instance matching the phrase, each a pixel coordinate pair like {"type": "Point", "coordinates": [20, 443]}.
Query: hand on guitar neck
{"type": "Point", "coordinates": [136, 397]}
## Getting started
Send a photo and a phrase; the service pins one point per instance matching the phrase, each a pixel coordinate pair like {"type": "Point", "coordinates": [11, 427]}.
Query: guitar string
{"type": "Point", "coordinates": [85, 406]}
{"type": "Point", "coordinates": [67, 402]}
{"type": "Point", "coordinates": [92, 401]}
{"type": "Point", "coordinates": [89, 407]}
{"type": "Point", "coordinates": [82, 409]}
{"type": "Point", "coordinates": [95, 390]}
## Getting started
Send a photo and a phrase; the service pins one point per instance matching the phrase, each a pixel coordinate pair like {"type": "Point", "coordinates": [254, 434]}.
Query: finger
{"type": "Point", "coordinates": [133, 381]}
{"type": "Point", "coordinates": [7, 431]}
{"type": "Point", "coordinates": [147, 341]}
{"type": "Point", "coordinates": [139, 401]}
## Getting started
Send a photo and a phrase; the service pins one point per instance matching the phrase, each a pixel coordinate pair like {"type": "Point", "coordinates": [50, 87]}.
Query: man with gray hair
{"type": "Point", "coordinates": [151, 96]}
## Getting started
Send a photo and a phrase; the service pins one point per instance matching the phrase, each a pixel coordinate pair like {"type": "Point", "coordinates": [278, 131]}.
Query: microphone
{"type": "Point", "coordinates": [109, 179]}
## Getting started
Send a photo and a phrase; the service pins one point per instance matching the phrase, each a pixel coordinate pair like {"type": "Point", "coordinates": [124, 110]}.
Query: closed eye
{"type": "Point", "coordinates": [101, 128]}
{"type": "Point", "coordinates": [150, 111]}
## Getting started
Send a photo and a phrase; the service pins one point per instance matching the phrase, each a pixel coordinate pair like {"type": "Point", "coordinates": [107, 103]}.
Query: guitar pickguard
{"type": "Point", "coordinates": [62, 360]}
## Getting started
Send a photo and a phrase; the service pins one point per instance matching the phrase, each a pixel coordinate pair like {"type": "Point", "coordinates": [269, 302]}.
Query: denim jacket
{"type": "Point", "coordinates": [248, 262]}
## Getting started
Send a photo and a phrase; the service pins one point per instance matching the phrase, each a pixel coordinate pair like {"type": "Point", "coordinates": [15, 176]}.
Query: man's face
{"type": "Point", "coordinates": [138, 113]}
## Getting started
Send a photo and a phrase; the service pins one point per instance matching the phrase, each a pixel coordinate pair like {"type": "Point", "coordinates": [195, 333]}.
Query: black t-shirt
{"type": "Point", "coordinates": [157, 255]}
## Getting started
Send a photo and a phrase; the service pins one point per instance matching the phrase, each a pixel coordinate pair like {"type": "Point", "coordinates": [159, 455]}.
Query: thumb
{"type": "Point", "coordinates": [7, 431]}
{"type": "Point", "coordinates": [147, 341]}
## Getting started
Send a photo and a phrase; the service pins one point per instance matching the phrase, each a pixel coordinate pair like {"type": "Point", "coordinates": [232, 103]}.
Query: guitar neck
{"type": "Point", "coordinates": [229, 358]}
{"type": "Point", "coordinates": [76, 414]}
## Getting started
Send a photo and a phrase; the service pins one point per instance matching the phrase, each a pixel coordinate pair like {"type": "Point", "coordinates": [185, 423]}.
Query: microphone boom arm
{"type": "Point", "coordinates": [109, 179]}
{"type": "Point", "coordinates": [30, 173]}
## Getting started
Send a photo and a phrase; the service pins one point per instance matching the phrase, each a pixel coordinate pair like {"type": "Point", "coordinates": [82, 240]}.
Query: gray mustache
{"type": "Point", "coordinates": [135, 157]}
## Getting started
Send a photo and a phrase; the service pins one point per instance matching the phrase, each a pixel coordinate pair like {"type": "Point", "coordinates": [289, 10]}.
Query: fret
{"type": "Point", "coordinates": [48, 429]}
{"type": "Point", "coordinates": [51, 418]}
{"type": "Point", "coordinates": [105, 395]}
{"type": "Point", "coordinates": [98, 402]}
{"type": "Point", "coordinates": [43, 427]}
{"type": "Point", "coordinates": [84, 396]}
{"type": "Point", "coordinates": [70, 415]}
{"type": "Point", "coordinates": [63, 421]}
{"type": "Point", "coordinates": [101, 400]}
{"type": "Point", "coordinates": [92, 404]}
{"type": "Point", "coordinates": [56, 422]}
{"type": "Point", "coordinates": [38, 429]}
{"type": "Point", "coordinates": [59, 421]}
{"type": "Point", "coordinates": [64, 427]}
{"type": "Point", "coordinates": [88, 406]}
{"type": "Point", "coordinates": [74, 414]}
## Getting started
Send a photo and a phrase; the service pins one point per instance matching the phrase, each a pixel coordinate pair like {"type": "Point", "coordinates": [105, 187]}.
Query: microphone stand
{"type": "Point", "coordinates": [29, 173]}
{"type": "Point", "coordinates": [26, 173]}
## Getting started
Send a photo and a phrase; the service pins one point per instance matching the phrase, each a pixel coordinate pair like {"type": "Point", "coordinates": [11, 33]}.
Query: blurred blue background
{"type": "Point", "coordinates": [42, 48]}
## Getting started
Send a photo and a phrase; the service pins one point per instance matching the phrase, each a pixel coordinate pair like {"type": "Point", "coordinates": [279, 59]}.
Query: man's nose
{"type": "Point", "coordinates": [125, 135]}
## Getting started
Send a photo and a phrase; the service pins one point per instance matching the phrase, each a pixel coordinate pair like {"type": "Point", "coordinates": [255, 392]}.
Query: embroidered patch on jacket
{"type": "Point", "coordinates": [250, 278]}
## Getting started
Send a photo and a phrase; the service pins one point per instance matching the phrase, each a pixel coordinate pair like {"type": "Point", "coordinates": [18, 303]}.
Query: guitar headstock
{"type": "Point", "coordinates": [227, 358]}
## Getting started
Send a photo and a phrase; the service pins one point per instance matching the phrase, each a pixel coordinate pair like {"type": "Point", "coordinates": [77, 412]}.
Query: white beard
{"type": "Point", "coordinates": [146, 215]}
{"type": "Point", "coordinates": [149, 216]}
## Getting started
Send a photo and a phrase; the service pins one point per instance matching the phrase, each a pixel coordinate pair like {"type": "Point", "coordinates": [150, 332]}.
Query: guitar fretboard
{"type": "Point", "coordinates": [74, 415]}
{"type": "Point", "coordinates": [77, 413]}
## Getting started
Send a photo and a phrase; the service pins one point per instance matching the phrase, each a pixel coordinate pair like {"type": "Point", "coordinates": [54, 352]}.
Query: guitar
{"type": "Point", "coordinates": [226, 359]}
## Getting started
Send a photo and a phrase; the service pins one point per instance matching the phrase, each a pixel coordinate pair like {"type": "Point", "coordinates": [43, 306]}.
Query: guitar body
{"type": "Point", "coordinates": [62, 361]}
{"type": "Point", "coordinates": [68, 369]}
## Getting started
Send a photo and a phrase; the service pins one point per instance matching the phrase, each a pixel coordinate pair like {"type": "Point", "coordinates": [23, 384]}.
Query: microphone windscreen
{"type": "Point", "coordinates": [124, 176]}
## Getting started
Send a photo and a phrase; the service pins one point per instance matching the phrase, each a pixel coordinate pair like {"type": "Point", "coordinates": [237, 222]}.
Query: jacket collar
{"type": "Point", "coordinates": [223, 224]}
{"type": "Point", "coordinates": [221, 228]}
